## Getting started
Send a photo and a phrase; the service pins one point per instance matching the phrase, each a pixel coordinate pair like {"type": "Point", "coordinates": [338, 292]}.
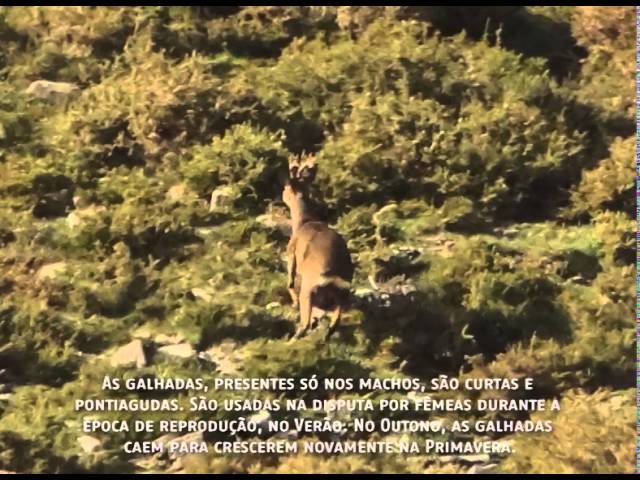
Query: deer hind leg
{"type": "Point", "coordinates": [333, 323]}
{"type": "Point", "coordinates": [306, 291]}
{"type": "Point", "coordinates": [291, 277]}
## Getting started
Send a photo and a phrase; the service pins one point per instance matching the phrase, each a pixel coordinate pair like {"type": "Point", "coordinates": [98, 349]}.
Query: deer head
{"type": "Point", "coordinates": [302, 169]}
{"type": "Point", "coordinates": [302, 172]}
{"type": "Point", "coordinates": [316, 254]}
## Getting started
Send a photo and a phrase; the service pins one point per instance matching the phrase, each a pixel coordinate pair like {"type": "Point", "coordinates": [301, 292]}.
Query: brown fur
{"type": "Point", "coordinates": [318, 260]}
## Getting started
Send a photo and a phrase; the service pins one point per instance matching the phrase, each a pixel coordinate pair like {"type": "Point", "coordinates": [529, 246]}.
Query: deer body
{"type": "Point", "coordinates": [319, 264]}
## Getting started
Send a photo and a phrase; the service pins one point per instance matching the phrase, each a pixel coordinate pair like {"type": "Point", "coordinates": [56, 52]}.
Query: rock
{"type": "Point", "coordinates": [78, 216]}
{"type": "Point", "coordinates": [48, 90]}
{"type": "Point", "coordinates": [181, 350]}
{"type": "Point", "coordinates": [81, 201]}
{"type": "Point", "coordinates": [51, 270]}
{"type": "Point", "coordinates": [176, 466]}
{"type": "Point", "coordinates": [483, 469]}
{"type": "Point", "coordinates": [130, 354]}
{"type": "Point", "coordinates": [479, 458]}
{"type": "Point", "coordinates": [180, 193]}
{"type": "Point", "coordinates": [177, 192]}
{"type": "Point", "coordinates": [166, 438]}
{"type": "Point", "coordinates": [260, 418]}
{"type": "Point", "coordinates": [149, 463]}
{"type": "Point", "coordinates": [74, 220]}
{"type": "Point", "coordinates": [276, 220]}
{"type": "Point", "coordinates": [226, 357]}
{"type": "Point", "coordinates": [88, 443]}
{"type": "Point", "coordinates": [163, 339]}
{"type": "Point", "coordinates": [221, 198]}
{"type": "Point", "coordinates": [143, 332]}
{"type": "Point", "coordinates": [291, 435]}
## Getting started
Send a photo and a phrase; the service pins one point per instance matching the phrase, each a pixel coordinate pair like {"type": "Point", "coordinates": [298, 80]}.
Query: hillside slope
{"type": "Point", "coordinates": [480, 167]}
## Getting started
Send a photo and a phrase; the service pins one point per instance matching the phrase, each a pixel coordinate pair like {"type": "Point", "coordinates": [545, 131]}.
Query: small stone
{"type": "Point", "coordinates": [51, 271]}
{"type": "Point", "coordinates": [291, 435]}
{"type": "Point", "coordinates": [143, 333]}
{"type": "Point", "coordinates": [261, 418]}
{"type": "Point", "coordinates": [178, 192]}
{"type": "Point", "coordinates": [78, 216]}
{"type": "Point", "coordinates": [48, 90]}
{"type": "Point", "coordinates": [169, 437]}
{"type": "Point", "coordinates": [164, 339]}
{"type": "Point", "coordinates": [80, 201]}
{"type": "Point", "coordinates": [181, 350]}
{"type": "Point", "coordinates": [225, 356]}
{"type": "Point", "coordinates": [277, 220]}
{"type": "Point", "coordinates": [130, 354]}
{"type": "Point", "coordinates": [88, 443]}
{"type": "Point", "coordinates": [479, 458]}
{"type": "Point", "coordinates": [483, 469]}
{"type": "Point", "coordinates": [221, 197]}
{"type": "Point", "coordinates": [74, 220]}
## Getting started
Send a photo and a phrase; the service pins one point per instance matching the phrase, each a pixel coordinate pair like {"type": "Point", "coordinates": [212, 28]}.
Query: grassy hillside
{"type": "Point", "coordinates": [480, 165]}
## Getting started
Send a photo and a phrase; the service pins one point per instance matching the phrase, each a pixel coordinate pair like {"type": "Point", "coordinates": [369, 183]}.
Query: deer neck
{"type": "Point", "coordinates": [300, 214]}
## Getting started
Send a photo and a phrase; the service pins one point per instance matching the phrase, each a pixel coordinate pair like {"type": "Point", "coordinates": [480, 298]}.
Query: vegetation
{"type": "Point", "coordinates": [479, 165]}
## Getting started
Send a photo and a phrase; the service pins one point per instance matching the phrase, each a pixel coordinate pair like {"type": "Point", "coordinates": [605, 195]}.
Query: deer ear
{"type": "Point", "coordinates": [294, 166]}
{"type": "Point", "coordinates": [308, 174]}
{"type": "Point", "coordinates": [307, 168]}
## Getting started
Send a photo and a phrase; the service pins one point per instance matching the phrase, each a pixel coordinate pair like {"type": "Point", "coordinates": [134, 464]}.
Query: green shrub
{"type": "Point", "coordinates": [247, 159]}
{"type": "Point", "coordinates": [609, 185]}
{"type": "Point", "coordinates": [404, 122]}
{"type": "Point", "coordinates": [607, 75]}
{"type": "Point", "coordinates": [575, 444]}
{"type": "Point", "coordinates": [147, 106]}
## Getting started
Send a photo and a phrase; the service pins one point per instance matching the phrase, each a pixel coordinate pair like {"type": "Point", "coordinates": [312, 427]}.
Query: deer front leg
{"type": "Point", "coordinates": [335, 319]}
{"type": "Point", "coordinates": [291, 274]}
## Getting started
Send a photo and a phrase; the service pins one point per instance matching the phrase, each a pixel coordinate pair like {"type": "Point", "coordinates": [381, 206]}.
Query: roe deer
{"type": "Point", "coordinates": [319, 264]}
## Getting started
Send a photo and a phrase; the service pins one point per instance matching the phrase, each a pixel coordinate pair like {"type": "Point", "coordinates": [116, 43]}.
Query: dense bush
{"type": "Point", "coordinates": [609, 185]}
{"type": "Point", "coordinates": [582, 422]}
{"type": "Point", "coordinates": [608, 74]}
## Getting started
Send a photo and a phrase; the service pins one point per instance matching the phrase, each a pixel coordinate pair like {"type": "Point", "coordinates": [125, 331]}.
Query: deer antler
{"type": "Point", "coordinates": [303, 168]}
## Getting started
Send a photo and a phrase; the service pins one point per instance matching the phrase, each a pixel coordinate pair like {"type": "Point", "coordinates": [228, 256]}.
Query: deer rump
{"type": "Point", "coordinates": [321, 255]}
